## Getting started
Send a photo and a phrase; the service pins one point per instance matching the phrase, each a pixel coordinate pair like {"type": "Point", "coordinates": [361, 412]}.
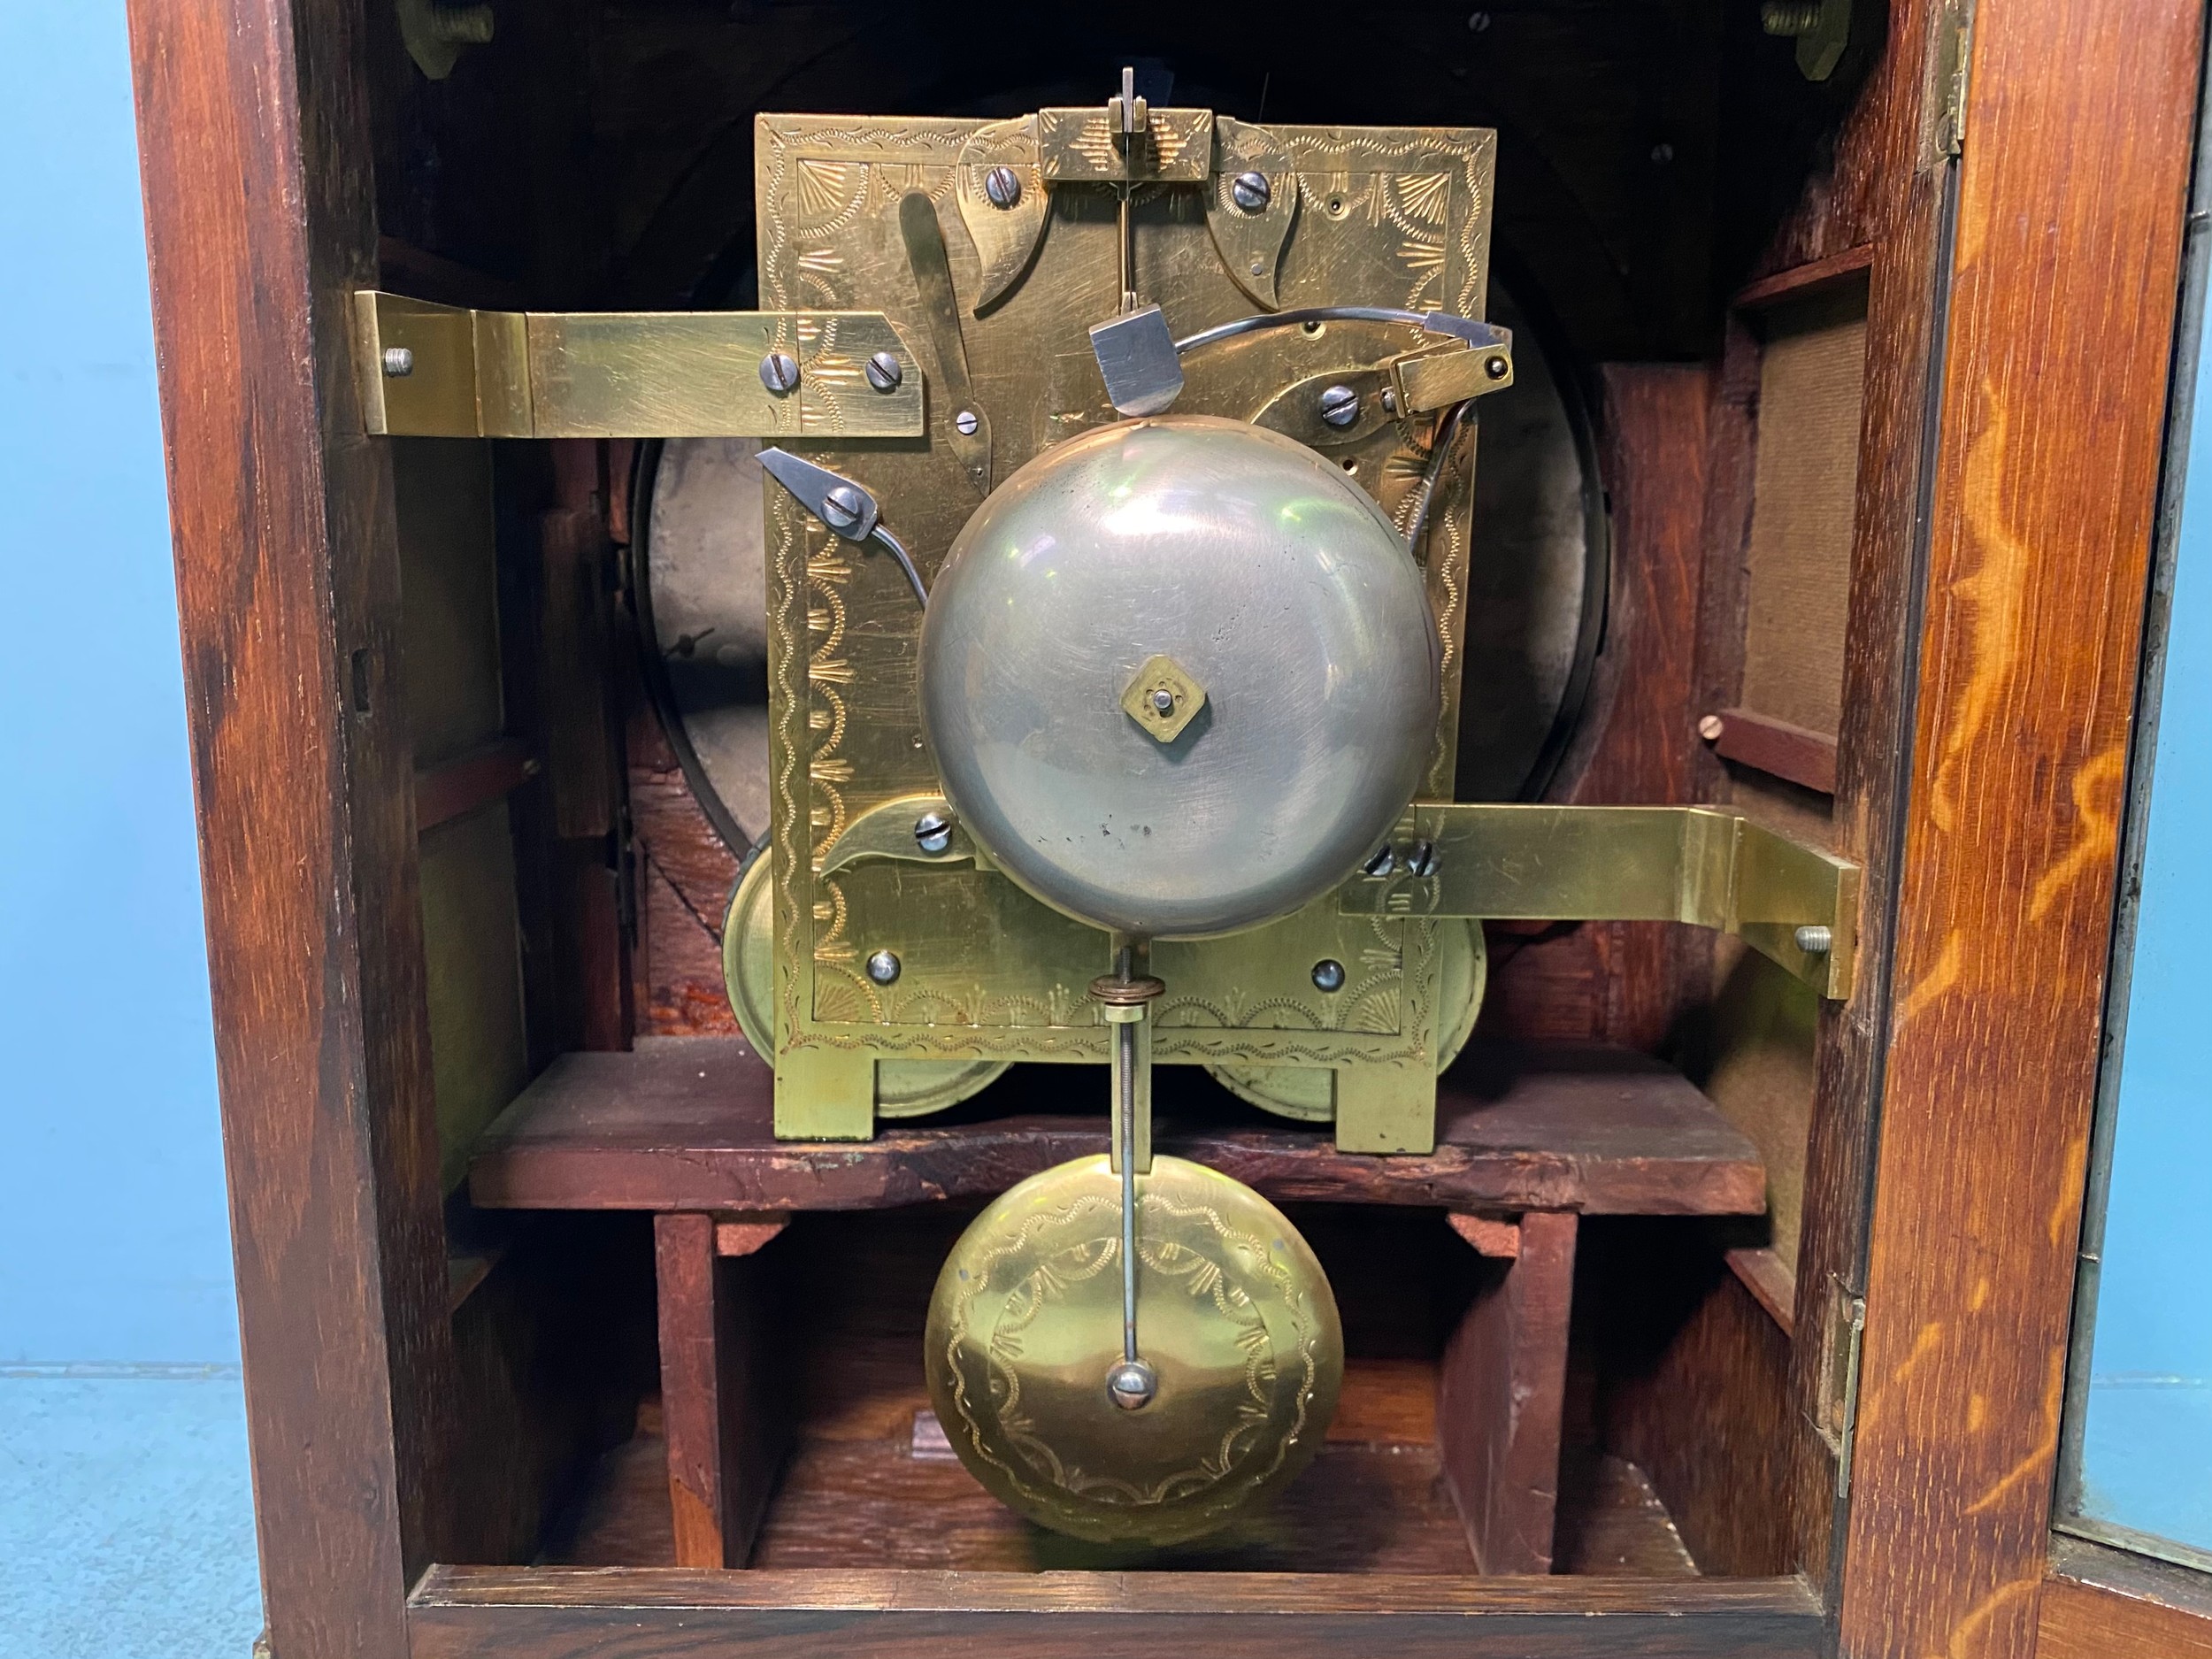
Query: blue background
{"type": "Point", "coordinates": [2147, 1442]}
{"type": "Point", "coordinates": [125, 1525]}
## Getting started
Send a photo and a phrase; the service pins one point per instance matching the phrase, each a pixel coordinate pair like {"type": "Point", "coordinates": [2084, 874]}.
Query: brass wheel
{"type": "Point", "coordinates": [904, 1088]}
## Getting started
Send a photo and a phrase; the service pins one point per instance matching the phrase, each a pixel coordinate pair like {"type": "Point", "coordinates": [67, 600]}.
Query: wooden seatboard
{"type": "Point", "coordinates": [547, 1613]}
{"type": "Point", "coordinates": [684, 1124]}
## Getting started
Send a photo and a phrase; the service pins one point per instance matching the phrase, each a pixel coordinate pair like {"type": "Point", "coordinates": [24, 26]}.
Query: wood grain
{"type": "Point", "coordinates": [552, 1613]}
{"type": "Point", "coordinates": [474, 779]}
{"type": "Point", "coordinates": [1810, 278]}
{"type": "Point", "coordinates": [685, 1124]}
{"type": "Point", "coordinates": [1617, 981]}
{"type": "Point", "coordinates": [2081, 1621]}
{"type": "Point", "coordinates": [2070, 203]}
{"type": "Point", "coordinates": [2099, 1601]}
{"type": "Point", "coordinates": [1775, 746]}
{"type": "Point", "coordinates": [1501, 1391]}
{"type": "Point", "coordinates": [259, 220]}
{"type": "Point", "coordinates": [726, 1419]}
{"type": "Point", "coordinates": [1888, 190]}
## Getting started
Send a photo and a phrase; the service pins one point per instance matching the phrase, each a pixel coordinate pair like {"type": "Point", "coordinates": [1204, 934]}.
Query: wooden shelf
{"type": "Point", "coordinates": [684, 1124]}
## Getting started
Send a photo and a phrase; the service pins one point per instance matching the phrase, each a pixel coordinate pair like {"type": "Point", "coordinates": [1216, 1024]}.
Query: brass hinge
{"type": "Point", "coordinates": [442, 371]}
{"type": "Point", "coordinates": [1836, 1401]}
{"type": "Point", "coordinates": [1946, 99]}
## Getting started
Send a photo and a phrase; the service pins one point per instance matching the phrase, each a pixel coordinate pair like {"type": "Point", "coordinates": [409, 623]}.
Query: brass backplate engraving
{"type": "Point", "coordinates": [1383, 217]}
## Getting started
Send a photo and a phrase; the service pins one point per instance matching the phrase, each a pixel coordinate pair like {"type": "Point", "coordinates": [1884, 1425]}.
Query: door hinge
{"type": "Point", "coordinates": [1947, 102]}
{"type": "Point", "coordinates": [1836, 1403]}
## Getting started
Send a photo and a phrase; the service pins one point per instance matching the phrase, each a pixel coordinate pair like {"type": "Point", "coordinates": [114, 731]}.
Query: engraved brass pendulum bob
{"type": "Point", "coordinates": [1129, 1349]}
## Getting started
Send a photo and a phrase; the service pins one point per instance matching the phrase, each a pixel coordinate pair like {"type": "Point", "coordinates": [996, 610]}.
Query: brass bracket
{"type": "Point", "coordinates": [1444, 375]}
{"type": "Point", "coordinates": [443, 372]}
{"type": "Point", "coordinates": [1708, 866]}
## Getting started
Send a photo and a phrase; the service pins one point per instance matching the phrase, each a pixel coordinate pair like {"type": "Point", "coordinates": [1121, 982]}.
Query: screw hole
{"type": "Point", "coordinates": [1351, 465]}
{"type": "Point", "coordinates": [1312, 331]}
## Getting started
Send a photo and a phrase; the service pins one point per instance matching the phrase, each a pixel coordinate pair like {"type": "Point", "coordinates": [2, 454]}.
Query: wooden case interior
{"type": "Point", "coordinates": [1735, 266]}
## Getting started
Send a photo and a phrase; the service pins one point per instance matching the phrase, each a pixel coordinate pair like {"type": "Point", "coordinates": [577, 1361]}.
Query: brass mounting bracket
{"type": "Point", "coordinates": [1705, 865]}
{"type": "Point", "coordinates": [444, 372]}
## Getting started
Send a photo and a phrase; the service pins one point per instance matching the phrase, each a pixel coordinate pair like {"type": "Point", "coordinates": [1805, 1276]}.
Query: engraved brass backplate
{"type": "Point", "coordinates": [1238, 1324]}
{"type": "Point", "coordinates": [1387, 217]}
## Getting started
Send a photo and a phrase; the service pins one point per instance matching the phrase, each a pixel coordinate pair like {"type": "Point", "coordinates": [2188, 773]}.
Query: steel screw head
{"type": "Point", "coordinates": [1163, 701]}
{"type": "Point", "coordinates": [842, 507]}
{"type": "Point", "coordinates": [1381, 864]}
{"type": "Point", "coordinates": [1328, 974]}
{"type": "Point", "coordinates": [1132, 1385]}
{"type": "Point", "coordinates": [780, 371]}
{"type": "Point", "coordinates": [932, 832]}
{"type": "Point", "coordinates": [1421, 858]}
{"type": "Point", "coordinates": [1495, 368]}
{"type": "Point", "coordinates": [884, 372]}
{"type": "Point", "coordinates": [1251, 191]}
{"type": "Point", "coordinates": [1814, 940]}
{"type": "Point", "coordinates": [883, 967]}
{"type": "Point", "coordinates": [399, 362]}
{"type": "Point", "coordinates": [1340, 406]}
{"type": "Point", "coordinates": [1003, 187]}
{"type": "Point", "coordinates": [967, 423]}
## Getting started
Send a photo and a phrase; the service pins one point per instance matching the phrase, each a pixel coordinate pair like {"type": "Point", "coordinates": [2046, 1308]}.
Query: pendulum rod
{"type": "Point", "coordinates": [1126, 1098]}
{"type": "Point", "coordinates": [1126, 998]}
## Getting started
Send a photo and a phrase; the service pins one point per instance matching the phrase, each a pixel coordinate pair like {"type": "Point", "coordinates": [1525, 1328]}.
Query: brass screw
{"type": "Point", "coordinates": [1711, 727]}
{"type": "Point", "coordinates": [1789, 17]}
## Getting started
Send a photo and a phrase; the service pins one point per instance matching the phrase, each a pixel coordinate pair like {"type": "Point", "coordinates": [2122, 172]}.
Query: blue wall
{"type": "Point", "coordinates": [125, 1525]}
{"type": "Point", "coordinates": [113, 1237]}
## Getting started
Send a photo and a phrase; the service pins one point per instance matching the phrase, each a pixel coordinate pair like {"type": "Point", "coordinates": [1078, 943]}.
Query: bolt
{"type": "Point", "coordinates": [883, 967]}
{"type": "Point", "coordinates": [1251, 191]}
{"type": "Point", "coordinates": [1382, 863]}
{"type": "Point", "coordinates": [1132, 1385]}
{"type": "Point", "coordinates": [1421, 858]}
{"type": "Point", "coordinates": [1340, 406]}
{"type": "Point", "coordinates": [1711, 727]}
{"type": "Point", "coordinates": [1328, 975]}
{"type": "Point", "coordinates": [1789, 17]}
{"type": "Point", "coordinates": [884, 372]}
{"type": "Point", "coordinates": [462, 25]}
{"type": "Point", "coordinates": [932, 832]}
{"type": "Point", "coordinates": [1496, 368]}
{"type": "Point", "coordinates": [780, 371]}
{"type": "Point", "coordinates": [844, 506]}
{"type": "Point", "coordinates": [399, 362]}
{"type": "Point", "coordinates": [1162, 701]}
{"type": "Point", "coordinates": [1004, 186]}
{"type": "Point", "coordinates": [1813, 940]}
{"type": "Point", "coordinates": [967, 423]}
